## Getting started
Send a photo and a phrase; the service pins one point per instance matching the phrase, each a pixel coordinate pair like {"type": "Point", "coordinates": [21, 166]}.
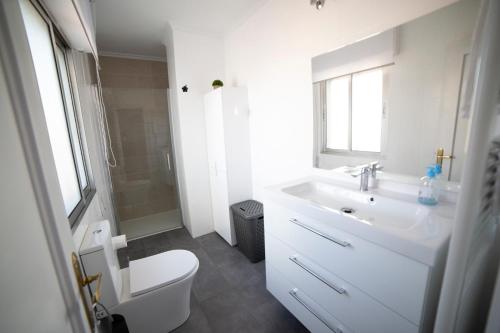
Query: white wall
{"type": "Point", "coordinates": [271, 55]}
{"type": "Point", "coordinates": [194, 60]}
{"type": "Point", "coordinates": [422, 91]}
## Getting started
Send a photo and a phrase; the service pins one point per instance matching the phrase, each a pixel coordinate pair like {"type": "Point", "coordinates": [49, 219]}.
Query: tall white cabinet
{"type": "Point", "coordinates": [228, 146]}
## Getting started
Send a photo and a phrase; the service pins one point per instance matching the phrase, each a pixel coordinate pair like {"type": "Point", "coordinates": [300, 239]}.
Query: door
{"type": "Point", "coordinates": [220, 207]}
{"type": "Point", "coordinates": [473, 256]}
{"type": "Point", "coordinates": [39, 289]}
{"type": "Point", "coordinates": [217, 165]}
{"type": "Point", "coordinates": [146, 195]}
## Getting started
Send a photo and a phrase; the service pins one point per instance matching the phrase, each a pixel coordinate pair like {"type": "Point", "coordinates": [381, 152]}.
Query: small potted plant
{"type": "Point", "coordinates": [217, 84]}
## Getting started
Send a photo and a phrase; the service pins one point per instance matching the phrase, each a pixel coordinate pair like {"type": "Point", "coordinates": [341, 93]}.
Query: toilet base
{"type": "Point", "coordinates": [161, 310]}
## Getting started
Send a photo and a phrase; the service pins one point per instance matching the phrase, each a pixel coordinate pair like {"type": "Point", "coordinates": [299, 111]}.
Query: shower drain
{"type": "Point", "coordinates": [347, 210]}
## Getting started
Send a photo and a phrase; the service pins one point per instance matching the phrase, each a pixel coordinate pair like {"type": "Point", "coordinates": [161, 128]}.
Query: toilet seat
{"type": "Point", "coordinates": [159, 270]}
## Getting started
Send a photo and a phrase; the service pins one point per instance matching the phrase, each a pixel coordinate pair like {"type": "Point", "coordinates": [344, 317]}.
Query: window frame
{"type": "Point", "coordinates": [58, 41]}
{"type": "Point", "coordinates": [323, 121]}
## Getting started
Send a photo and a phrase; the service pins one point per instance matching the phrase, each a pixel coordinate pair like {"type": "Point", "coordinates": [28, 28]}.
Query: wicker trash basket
{"type": "Point", "coordinates": [248, 218]}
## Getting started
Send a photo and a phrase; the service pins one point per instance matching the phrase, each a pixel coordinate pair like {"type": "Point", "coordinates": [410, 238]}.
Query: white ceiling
{"type": "Point", "coordinates": [138, 26]}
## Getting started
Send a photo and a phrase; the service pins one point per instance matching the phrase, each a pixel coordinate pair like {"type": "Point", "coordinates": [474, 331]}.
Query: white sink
{"type": "Point", "coordinates": [389, 215]}
{"type": "Point", "coordinates": [367, 207]}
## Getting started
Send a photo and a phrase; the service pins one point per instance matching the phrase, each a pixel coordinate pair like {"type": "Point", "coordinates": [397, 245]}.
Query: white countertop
{"type": "Point", "coordinates": [420, 240]}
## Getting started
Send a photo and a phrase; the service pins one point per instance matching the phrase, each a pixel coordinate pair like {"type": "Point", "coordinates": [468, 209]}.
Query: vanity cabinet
{"type": "Point", "coordinates": [228, 148]}
{"type": "Point", "coordinates": [333, 281]}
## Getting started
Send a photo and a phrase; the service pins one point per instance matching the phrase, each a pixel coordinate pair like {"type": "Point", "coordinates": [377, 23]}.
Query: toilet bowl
{"type": "Point", "coordinates": [153, 293]}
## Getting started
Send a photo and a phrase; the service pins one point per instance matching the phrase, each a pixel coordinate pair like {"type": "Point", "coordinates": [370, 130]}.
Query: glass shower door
{"type": "Point", "coordinates": [144, 182]}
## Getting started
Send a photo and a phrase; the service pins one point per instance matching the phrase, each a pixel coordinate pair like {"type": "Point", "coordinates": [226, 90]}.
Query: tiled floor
{"type": "Point", "coordinates": [229, 292]}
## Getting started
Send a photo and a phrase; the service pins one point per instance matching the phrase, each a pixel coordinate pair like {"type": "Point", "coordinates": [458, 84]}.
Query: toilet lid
{"type": "Point", "coordinates": [156, 271]}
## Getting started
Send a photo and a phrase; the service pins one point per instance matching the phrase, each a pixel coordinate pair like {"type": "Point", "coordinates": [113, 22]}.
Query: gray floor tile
{"type": "Point", "coordinates": [240, 272]}
{"type": "Point", "coordinates": [276, 316]}
{"type": "Point", "coordinates": [123, 257]}
{"type": "Point", "coordinates": [136, 250]}
{"type": "Point", "coordinates": [204, 260]}
{"type": "Point", "coordinates": [254, 293]}
{"type": "Point", "coordinates": [181, 239]}
{"type": "Point", "coordinates": [213, 241]}
{"type": "Point", "coordinates": [261, 267]}
{"type": "Point", "coordinates": [208, 283]}
{"type": "Point", "coordinates": [226, 313]}
{"type": "Point", "coordinates": [221, 257]}
{"type": "Point", "coordinates": [197, 321]}
{"type": "Point", "coordinates": [135, 245]}
{"type": "Point", "coordinates": [237, 322]}
{"type": "Point", "coordinates": [157, 244]}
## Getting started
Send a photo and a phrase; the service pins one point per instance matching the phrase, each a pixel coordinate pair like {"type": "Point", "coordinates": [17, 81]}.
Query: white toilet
{"type": "Point", "coordinates": [153, 293]}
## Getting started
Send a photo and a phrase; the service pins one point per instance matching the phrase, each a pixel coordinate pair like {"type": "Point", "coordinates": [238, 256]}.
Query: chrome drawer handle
{"type": "Point", "coordinates": [293, 293]}
{"type": "Point", "coordinates": [338, 289]}
{"type": "Point", "coordinates": [319, 233]}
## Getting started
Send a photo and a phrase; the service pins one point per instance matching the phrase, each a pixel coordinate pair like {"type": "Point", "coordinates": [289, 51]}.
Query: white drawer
{"type": "Point", "coordinates": [343, 301]}
{"type": "Point", "coordinates": [394, 280]}
{"type": "Point", "coordinates": [310, 314]}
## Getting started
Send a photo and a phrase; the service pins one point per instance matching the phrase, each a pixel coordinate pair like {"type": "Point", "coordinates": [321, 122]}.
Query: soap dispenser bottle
{"type": "Point", "coordinates": [440, 184]}
{"type": "Point", "coordinates": [428, 192]}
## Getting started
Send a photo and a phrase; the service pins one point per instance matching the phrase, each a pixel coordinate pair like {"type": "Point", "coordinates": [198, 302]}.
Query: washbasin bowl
{"type": "Point", "coordinates": [389, 215]}
{"type": "Point", "coordinates": [373, 207]}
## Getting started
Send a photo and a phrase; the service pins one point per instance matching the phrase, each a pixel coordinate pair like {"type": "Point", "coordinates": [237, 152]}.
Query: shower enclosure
{"type": "Point", "coordinates": [144, 186]}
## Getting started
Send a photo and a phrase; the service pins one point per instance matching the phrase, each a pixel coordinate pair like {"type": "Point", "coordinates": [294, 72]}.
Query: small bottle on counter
{"type": "Point", "coordinates": [428, 193]}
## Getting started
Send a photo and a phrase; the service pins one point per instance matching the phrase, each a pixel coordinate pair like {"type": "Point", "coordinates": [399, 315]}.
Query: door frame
{"type": "Point", "coordinates": [174, 153]}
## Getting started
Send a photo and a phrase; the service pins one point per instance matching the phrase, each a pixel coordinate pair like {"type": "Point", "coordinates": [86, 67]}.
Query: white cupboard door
{"type": "Point", "coordinates": [215, 131]}
{"type": "Point", "coordinates": [217, 165]}
{"type": "Point", "coordinates": [210, 130]}
{"type": "Point", "coordinates": [220, 208]}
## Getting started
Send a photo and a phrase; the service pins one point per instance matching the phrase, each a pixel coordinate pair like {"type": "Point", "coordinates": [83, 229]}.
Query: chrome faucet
{"type": "Point", "coordinates": [366, 173]}
{"type": "Point", "coordinates": [374, 167]}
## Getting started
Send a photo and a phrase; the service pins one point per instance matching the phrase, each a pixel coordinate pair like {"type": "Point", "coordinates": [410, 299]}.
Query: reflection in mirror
{"type": "Point", "coordinates": [395, 96]}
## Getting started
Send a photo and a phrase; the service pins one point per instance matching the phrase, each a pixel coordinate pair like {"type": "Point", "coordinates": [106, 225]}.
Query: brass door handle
{"type": "Point", "coordinates": [440, 156]}
{"type": "Point", "coordinates": [84, 281]}
{"type": "Point", "coordinates": [80, 281]}
{"type": "Point", "coordinates": [97, 293]}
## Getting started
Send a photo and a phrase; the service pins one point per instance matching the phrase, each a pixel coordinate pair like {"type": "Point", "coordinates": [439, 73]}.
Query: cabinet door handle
{"type": "Point", "coordinates": [293, 293]}
{"type": "Point", "coordinates": [319, 233]}
{"type": "Point", "coordinates": [338, 289]}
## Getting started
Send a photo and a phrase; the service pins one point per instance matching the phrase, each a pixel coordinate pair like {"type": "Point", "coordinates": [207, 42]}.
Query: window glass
{"type": "Point", "coordinates": [39, 39]}
{"type": "Point", "coordinates": [367, 109]}
{"type": "Point", "coordinates": [70, 107]}
{"type": "Point", "coordinates": [337, 113]}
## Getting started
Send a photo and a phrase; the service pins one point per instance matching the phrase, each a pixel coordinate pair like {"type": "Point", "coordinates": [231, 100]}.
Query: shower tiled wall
{"type": "Point", "coordinates": [135, 95]}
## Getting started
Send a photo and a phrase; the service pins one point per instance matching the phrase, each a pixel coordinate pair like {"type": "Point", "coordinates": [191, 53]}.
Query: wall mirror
{"type": "Point", "coordinates": [397, 96]}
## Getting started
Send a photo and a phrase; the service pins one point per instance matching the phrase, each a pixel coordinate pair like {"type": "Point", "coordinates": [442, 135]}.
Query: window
{"type": "Point", "coordinates": [52, 75]}
{"type": "Point", "coordinates": [352, 112]}
{"type": "Point", "coordinates": [71, 117]}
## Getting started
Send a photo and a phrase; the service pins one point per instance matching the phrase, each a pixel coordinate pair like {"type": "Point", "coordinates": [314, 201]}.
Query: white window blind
{"type": "Point", "coordinates": [372, 52]}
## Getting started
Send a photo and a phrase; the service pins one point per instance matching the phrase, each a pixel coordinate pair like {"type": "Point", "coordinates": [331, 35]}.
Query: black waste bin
{"type": "Point", "coordinates": [248, 218]}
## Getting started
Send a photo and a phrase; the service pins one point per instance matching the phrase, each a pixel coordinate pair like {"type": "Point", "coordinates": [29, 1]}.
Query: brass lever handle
{"type": "Point", "coordinates": [440, 156]}
{"type": "Point", "coordinates": [79, 279]}
{"type": "Point", "coordinates": [88, 280]}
